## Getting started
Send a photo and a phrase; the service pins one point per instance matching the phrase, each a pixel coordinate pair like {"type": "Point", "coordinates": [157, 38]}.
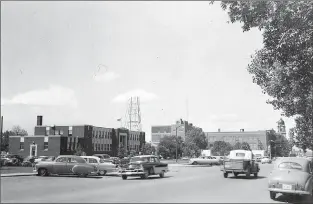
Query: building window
{"type": "Point", "coordinates": [47, 130]}
{"type": "Point", "coordinates": [61, 132]}
{"type": "Point", "coordinates": [94, 147]}
{"type": "Point", "coordinates": [45, 144]}
{"type": "Point", "coordinates": [56, 132]}
{"type": "Point", "coordinates": [70, 131]}
{"type": "Point", "coordinates": [22, 143]}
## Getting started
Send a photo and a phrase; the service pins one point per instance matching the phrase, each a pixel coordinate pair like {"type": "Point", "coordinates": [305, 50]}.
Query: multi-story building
{"type": "Point", "coordinates": [256, 139]}
{"type": "Point", "coordinates": [180, 129]}
{"type": "Point", "coordinates": [62, 140]}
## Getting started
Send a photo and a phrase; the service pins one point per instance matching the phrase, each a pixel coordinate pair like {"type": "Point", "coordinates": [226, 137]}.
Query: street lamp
{"type": "Point", "coordinates": [181, 124]}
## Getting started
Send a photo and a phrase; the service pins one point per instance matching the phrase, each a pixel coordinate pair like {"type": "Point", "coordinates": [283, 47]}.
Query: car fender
{"type": "Point", "coordinates": [309, 184]}
{"type": "Point", "coordinates": [82, 169]}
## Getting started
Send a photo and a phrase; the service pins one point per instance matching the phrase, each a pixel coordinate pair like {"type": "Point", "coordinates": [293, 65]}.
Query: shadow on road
{"type": "Point", "coordinates": [294, 199]}
{"type": "Point", "coordinates": [150, 178]}
{"type": "Point", "coordinates": [251, 178]}
{"type": "Point", "coordinates": [74, 176]}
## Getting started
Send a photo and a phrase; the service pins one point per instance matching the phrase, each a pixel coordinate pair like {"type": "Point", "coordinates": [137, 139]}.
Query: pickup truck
{"type": "Point", "coordinates": [240, 162]}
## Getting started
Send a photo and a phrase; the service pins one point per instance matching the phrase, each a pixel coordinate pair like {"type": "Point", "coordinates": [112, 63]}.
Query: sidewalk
{"type": "Point", "coordinates": [18, 174]}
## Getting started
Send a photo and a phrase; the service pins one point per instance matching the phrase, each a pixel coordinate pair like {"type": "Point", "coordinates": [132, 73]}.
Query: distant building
{"type": "Point", "coordinates": [62, 140]}
{"type": "Point", "coordinates": [158, 132]}
{"type": "Point", "coordinates": [256, 139]}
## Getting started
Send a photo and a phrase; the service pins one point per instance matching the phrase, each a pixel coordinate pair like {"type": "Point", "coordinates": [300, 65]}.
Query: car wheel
{"type": "Point", "coordinates": [102, 173]}
{"type": "Point", "coordinates": [124, 177]}
{"type": "Point", "coordinates": [42, 172]}
{"type": "Point", "coordinates": [225, 175]}
{"type": "Point", "coordinates": [195, 163]}
{"type": "Point", "coordinates": [272, 195]}
{"type": "Point", "coordinates": [235, 174]}
{"type": "Point", "coordinates": [162, 174]}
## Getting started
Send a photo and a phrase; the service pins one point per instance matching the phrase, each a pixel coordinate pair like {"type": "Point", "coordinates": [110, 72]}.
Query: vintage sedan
{"type": "Point", "coordinates": [205, 160]}
{"type": "Point", "coordinates": [265, 160]}
{"type": "Point", "coordinates": [144, 166]}
{"type": "Point", "coordinates": [291, 175]}
{"type": "Point", "coordinates": [102, 165]}
{"type": "Point", "coordinates": [66, 165]}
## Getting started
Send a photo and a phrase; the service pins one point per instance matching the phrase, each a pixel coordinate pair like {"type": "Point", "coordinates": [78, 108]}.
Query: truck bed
{"type": "Point", "coordinates": [234, 165]}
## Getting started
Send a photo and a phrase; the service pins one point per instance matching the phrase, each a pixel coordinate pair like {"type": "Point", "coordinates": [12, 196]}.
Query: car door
{"type": "Point", "coordinates": [59, 167]}
{"type": "Point", "coordinates": [158, 166]}
{"type": "Point", "coordinates": [71, 162]}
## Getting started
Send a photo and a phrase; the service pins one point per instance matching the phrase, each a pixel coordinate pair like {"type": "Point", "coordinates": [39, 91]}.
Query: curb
{"type": "Point", "coordinates": [18, 174]}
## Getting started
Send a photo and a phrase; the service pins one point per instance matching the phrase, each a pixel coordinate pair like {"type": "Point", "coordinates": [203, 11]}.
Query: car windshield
{"type": "Point", "coordinates": [136, 159]}
{"type": "Point", "coordinates": [290, 165]}
{"type": "Point", "coordinates": [240, 154]}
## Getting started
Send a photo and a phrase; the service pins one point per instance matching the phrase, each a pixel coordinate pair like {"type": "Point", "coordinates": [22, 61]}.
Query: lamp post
{"type": "Point", "coordinates": [181, 123]}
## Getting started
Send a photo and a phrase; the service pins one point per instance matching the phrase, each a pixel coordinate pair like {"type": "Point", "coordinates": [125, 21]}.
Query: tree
{"type": "Point", "coordinates": [79, 151]}
{"type": "Point", "coordinates": [17, 130]}
{"type": "Point", "coordinates": [237, 146]}
{"type": "Point", "coordinates": [283, 68]}
{"type": "Point", "coordinates": [221, 148]}
{"type": "Point", "coordinates": [148, 149]}
{"type": "Point", "coordinates": [168, 144]}
{"type": "Point", "coordinates": [121, 152]}
{"type": "Point", "coordinates": [5, 140]}
{"type": "Point", "coordinates": [195, 142]}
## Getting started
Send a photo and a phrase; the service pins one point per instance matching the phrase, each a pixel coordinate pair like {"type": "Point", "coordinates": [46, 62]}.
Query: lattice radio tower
{"type": "Point", "coordinates": [133, 115]}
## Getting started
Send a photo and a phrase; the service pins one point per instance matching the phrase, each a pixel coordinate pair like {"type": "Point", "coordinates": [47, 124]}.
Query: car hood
{"type": "Point", "coordinates": [289, 176]}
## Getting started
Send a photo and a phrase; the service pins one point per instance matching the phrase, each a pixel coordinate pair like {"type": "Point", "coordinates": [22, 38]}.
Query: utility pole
{"type": "Point", "coordinates": [1, 129]}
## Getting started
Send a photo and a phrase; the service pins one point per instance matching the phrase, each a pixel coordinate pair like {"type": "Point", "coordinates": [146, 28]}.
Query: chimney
{"type": "Point", "coordinates": [39, 120]}
{"type": "Point", "coordinates": [219, 130]}
{"type": "Point", "coordinates": [242, 130]}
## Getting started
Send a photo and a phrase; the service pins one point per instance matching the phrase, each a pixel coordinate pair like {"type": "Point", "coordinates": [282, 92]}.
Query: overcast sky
{"type": "Point", "coordinates": [79, 62]}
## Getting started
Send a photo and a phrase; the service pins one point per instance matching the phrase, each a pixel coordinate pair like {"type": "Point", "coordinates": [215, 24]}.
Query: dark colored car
{"type": "Point", "coordinates": [14, 160]}
{"type": "Point", "coordinates": [144, 166]}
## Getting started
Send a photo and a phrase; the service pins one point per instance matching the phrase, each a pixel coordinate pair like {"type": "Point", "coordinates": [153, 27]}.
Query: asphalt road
{"type": "Point", "coordinates": [182, 184]}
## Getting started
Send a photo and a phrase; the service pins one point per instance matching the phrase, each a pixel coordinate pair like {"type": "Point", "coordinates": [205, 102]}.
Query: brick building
{"type": "Point", "coordinates": [256, 139]}
{"type": "Point", "coordinates": [64, 140]}
{"type": "Point", "coordinates": [158, 132]}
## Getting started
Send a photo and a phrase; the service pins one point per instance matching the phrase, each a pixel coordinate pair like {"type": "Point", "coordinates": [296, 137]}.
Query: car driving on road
{"type": "Point", "coordinates": [204, 160]}
{"type": "Point", "coordinates": [291, 175]}
{"type": "Point", "coordinates": [144, 166]}
{"type": "Point", "coordinates": [66, 165]}
{"type": "Point", "coordinates": [266, 160]}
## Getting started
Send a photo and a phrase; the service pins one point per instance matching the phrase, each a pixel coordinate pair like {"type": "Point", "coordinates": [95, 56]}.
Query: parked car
{"type": "Point", "coordinates": [50, 158]}
{"type": "Point", "coordinates": [240, 162]}
{"type": "Point", "coordinates": [204, 160]}
{"type": "Point", "coordinates": [143, 166]}
{"type": "Point", "coordinates": [291, 175]}
{"type": "Point", "coordinates": [66, 165]}
{"type": "Point", "coordinates": [102, 166]}
{"type": "Point", "coordinates": [266, 160]}
{"type": "Point", "coordinates": [102, 156]}
{"type": "Point", "coordinates": [13, 160]}
{"type": "Point", "coordinates": [40, 158]}
{"type": "Point", "coordinates": [28, 161]}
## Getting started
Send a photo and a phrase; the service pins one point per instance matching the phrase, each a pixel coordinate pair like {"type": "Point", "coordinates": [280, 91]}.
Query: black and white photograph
{"type": "Point", "coordinates": [156, 101]}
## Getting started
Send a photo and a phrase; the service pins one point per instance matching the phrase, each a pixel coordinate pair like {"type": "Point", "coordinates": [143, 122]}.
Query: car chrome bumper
{"type": "Point", "coordinates": [278, 190]}
{"type": "Point", "coordinates": [131, 173]}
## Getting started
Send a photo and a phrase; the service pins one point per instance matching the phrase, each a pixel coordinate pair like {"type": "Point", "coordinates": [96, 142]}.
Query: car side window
{"type": "Point", "coordinates": [93, 161]}
{"type": "Point", "coordinates": [151, 160]}
{"type": "Point", "coordinates": [157, 160]}
{"type": "Point", "coordinates": [62, 159]}
{"type": "Point", "coordinates": [72, 160]}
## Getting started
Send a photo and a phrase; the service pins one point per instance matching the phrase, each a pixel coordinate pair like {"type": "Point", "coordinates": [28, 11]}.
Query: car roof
{"type": "Point", "coordinates": [302, 161]}
{"type": "Point", "coordinates": [143, 156]}
{"type": "Point", "coordinates": [92, 157]}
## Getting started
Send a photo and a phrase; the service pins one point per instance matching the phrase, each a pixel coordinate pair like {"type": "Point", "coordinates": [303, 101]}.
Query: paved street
{"type": "Point", "coordinates": [182, 184]}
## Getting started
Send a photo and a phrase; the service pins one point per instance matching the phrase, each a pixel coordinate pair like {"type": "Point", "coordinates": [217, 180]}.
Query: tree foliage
{"type": "Point", "coordinates": [243, 146]}
{"type": "Point", "coordinates": [195, 142]}
{"type": "Point", "coordinates": [221, 148]}
{"type": "Point", "coordinates": [17, 130]}
{"type": "Point", "coordinates": [168, 144]}
{"type": "Point", "coordinates": [283, 68]}
{"type": "Point", "coordinates": [148, 149]}
{"type": "Point", "coordinates": [122, 152]}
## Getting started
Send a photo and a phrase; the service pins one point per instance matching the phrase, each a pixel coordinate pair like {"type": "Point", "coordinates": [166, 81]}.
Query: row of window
{"type": "Point", "coordinates": [72, 143]}
{"type": "Point", "coordinates": [102, 147]}
{"type": "Point", "coordinates": [60, 132]}
{"type": "Point", "coordinates": [232, 138]}
{"type": "Point", "coordinates": [45, 146]}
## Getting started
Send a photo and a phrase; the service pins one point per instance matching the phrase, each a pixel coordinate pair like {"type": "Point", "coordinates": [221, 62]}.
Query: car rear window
{"type": "Point", "coordinates": [290, 165]}
{"type": "Point", "coordinates": [240, 154]}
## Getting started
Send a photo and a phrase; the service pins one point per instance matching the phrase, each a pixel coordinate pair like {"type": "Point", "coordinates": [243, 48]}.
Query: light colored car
{"type": "Point", "coordinates": [266, 160]}
{"type": "Point", "coordinates": [66, 165]}
{"type": "Point", "coordinates": [102, 165]}
{"type": "Point", "coordinates": [204, 160]}
{"type": "Point", "coordinates": [291, 175]}
{"type": "Point", "coordinates": [40, 158]}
